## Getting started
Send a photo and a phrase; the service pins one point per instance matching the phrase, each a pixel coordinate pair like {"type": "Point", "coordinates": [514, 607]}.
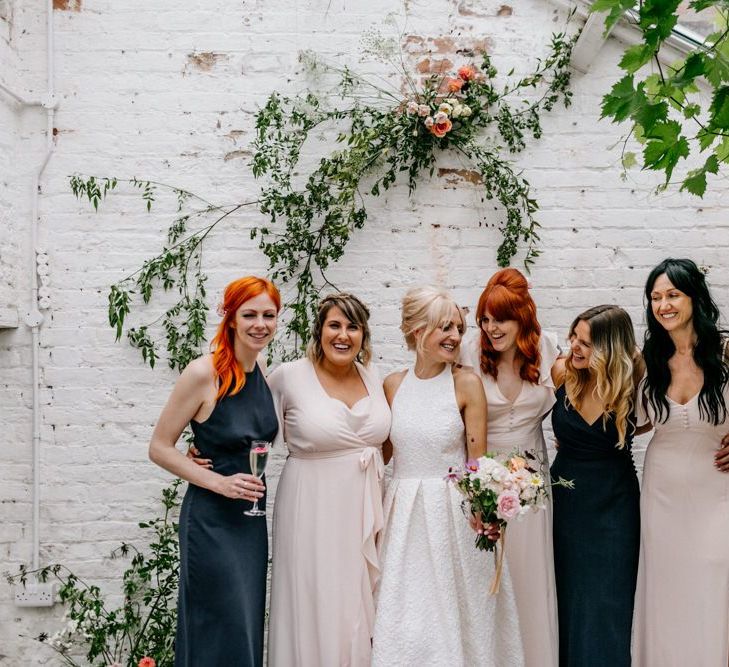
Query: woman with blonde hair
{"type": "Point", "coordinates": [433, 602]}
{"type": "Point", "coordinates": [223, 552]}
{"type": "Point", "coordinates": [597, 523]}
{"type": "Point", "coordinates": [328, 511]}
{"type": "Point", "coordinates": [514, 359]}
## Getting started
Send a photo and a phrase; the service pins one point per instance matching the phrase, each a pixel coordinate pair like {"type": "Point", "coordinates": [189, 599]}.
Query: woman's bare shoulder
{"type": "Point", "coordinates": [200, 370]}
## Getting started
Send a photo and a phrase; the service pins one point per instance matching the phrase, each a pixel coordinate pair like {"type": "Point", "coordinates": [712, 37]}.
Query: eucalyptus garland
{"type": "Point", "coordinates": [383, 137]}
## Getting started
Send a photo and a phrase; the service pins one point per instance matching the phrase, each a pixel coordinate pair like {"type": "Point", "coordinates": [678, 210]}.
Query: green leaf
{"type": "Point", "coordinates": [722, 150]}
{"type": "Point", "coordinates": [691, 110]}
{"type": "Point", "coordinates": [665, 148]}
{"type": "Point", "coordinates": [716, 70]}
{"type": "Point", "coordinates": [719, 109]}
{"type": "Point", "coordinates": [629, 160]}
{"type": "Point", "coordinates": [635, 57]}
{"type": "Point", "coordinates": [648, 115]}
{"type": "Point", "coordinates": [693, 67]}
{"type": "Point", "coordinates": [614, 8]}
{"type": "Point", "coordinates": [695, 182]}
{"type": "Point", "coordinates": [623, 99]}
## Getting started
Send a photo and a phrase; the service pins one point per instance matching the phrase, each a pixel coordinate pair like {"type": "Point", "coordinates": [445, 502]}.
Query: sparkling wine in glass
{"type": "Point", "coordinates": [258, 458]}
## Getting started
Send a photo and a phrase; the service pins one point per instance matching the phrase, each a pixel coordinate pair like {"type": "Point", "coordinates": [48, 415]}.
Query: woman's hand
{"type": "Point", "coordinates": [240, 486]}
{"type": "Point", "coordinates": [193, 453]}
{"type": "Point", "coordinates": [491, 530]}
{"type": "Point", "coordinates": [721, 458]}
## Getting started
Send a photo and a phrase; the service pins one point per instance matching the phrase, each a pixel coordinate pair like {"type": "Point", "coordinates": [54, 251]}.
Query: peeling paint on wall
{"type": "Point", "coordinates": [204, 60]}
{"type": "Point", "coordinates": [455, 177]}
{"type": "Point", "coordinates": [67, 5]}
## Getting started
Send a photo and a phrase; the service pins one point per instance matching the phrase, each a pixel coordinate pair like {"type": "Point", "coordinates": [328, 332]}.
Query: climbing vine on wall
{"type": "Point", "coordinates": [384, 135]}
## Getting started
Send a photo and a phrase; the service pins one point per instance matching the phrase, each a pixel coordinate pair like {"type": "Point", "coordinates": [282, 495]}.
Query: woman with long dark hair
{"type": "Point", "coordinates": [682, 612]}
{"type": "Point", "coordinates": [597, 523]}
{"type": "Point", "coordinates": [224, 398]}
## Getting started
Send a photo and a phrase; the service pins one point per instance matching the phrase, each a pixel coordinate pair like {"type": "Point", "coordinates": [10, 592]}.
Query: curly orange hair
{"type": "Point", "coordinates": [506, 297]}
{"type": "Point", "coordinates": [227, 369]}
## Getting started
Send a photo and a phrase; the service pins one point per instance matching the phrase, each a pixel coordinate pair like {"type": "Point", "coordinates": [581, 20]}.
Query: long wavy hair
{"type": "Point", "coordinates": [230, 376]}
{"type": "Point", "coordinates": [612, 364]}
{"type": "Point", "coordinates": [658, 347]}
{"type": "Point", "coordinates": [506, 297]}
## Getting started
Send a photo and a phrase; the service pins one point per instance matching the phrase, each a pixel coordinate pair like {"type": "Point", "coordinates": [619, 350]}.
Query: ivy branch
{"type": "Point", "coordinates": [310, 225]}
{"type": "Point", "coordinates": [177, 267]}
{"type": "Point", "coordinates": [312, 217]}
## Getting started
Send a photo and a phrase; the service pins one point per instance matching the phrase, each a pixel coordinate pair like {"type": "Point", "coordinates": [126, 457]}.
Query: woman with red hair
{"type": "Point", "coordinates": [514, 359]}
{"type": "Point", "coordinates": [224, 398]}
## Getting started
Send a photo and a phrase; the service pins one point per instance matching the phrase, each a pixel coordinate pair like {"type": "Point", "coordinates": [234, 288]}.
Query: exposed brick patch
{"type": "Point", "coordinates": [236, 155]}
{"type": "Point", "coordinates": [470, 8]}
{"type": "Point", "coordinates": [434, 66]}
{"type": "Point", "coordinates": [505, 10]}
{"type": "Point", "coordinates": [67, 5]}
{"type": "Point", "coordinates": [455, 176]}
{"type": "Point", "coordinates": [204, 60]}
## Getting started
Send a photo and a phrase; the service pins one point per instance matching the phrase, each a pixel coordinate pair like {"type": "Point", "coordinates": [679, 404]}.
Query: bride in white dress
{"type": "Point", "coordinates": [433, 603]}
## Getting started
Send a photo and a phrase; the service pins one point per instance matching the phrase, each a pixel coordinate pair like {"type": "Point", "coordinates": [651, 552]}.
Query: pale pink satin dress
{"type": "Point", "coordinates": [327, 517]}
{"type": "Point", "coordinates": [682, 599]}
{"type": "Point", "coordinates": [517, 426]}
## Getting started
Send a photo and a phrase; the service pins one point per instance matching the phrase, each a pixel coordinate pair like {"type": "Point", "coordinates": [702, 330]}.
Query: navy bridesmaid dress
{"type": "Point", "coordinates": [596, 540]}
{"type": "Point", "coordinates": [223, 552]}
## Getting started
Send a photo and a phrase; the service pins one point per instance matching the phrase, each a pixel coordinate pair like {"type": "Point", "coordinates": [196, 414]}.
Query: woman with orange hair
{"type": "Point", "coordinates": [514, 359]}
{"type": "Point", "coordinates": [223, 553]}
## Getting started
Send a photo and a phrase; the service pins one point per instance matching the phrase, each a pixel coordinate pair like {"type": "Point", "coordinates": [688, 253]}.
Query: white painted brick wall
{"type": "Point", "coordinates": [140, 96]}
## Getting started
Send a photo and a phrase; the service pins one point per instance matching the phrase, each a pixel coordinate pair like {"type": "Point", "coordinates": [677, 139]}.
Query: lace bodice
{"type": "Point", "coordinates": [427, 431]}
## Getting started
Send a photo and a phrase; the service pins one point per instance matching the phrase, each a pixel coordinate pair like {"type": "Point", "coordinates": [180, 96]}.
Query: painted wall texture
{"type": "Point", "coordinates": [168, 91]}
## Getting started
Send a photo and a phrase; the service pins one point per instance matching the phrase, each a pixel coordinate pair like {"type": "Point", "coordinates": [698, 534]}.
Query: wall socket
{"type": "Point", "coordinates": [35, 595]}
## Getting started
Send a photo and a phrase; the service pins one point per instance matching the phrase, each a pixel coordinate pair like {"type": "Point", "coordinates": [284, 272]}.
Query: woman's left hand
{"type": "Point", "coordinates": [721, 458]}
{"type": "Point", "coordinates": [491, 530]}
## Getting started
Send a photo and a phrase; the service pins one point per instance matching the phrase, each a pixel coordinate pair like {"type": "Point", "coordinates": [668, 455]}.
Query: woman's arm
{"type": "Point", "coordinates": [474, 408]}
{"type": "Point", "coordinates": [390, 385]}
{"type": "Point", "coordinates": [558, 371]}
{"type": "Point", "coordinates": [183, 404]}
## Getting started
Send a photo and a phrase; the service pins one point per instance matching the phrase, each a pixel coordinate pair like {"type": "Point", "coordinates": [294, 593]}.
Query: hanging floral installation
{"type": "Point", "coordinates": [380, 136]}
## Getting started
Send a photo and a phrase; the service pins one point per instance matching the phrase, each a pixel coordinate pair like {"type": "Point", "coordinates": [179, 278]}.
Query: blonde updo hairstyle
{"type": "Point", "coordinates": [425, 309]}
{"type": "Point", "coordinates": [355, 311]}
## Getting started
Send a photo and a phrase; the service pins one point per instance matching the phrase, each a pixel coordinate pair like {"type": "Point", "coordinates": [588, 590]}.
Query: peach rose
{"type": "Point", "coordinates": [442, 128]}
{"type": "Point", "coordinates": [467, 73]}
{"type": "Point", "coordinates": [454, 85]}
{"type": "Point", "coordinates": [517, 463]}
{"type": "Point", "coordinates": [146, 661]}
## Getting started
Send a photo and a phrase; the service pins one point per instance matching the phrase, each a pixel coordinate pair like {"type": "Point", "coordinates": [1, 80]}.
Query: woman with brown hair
{"type": "Point", "coordinates": [328, 512]}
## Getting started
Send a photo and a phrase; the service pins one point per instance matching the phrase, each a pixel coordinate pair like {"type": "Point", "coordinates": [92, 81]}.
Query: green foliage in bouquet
{"type": "Point", "coordinates": [144, 625]}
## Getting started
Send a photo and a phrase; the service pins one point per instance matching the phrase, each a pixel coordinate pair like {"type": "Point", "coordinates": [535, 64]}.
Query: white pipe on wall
{"type": "Point", "coordinates": [34, 317]}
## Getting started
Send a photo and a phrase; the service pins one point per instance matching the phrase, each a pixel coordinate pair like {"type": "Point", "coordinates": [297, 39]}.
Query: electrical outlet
{"type": "Point", "coordinates": [35, 595]}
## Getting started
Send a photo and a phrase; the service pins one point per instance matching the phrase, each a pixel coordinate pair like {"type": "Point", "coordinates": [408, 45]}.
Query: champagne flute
{"type": "Point", "coordinates": [258, 458]}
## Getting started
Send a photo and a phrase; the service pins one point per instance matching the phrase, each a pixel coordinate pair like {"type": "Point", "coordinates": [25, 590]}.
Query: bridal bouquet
{"type": "Point", "coordinates": [496, 490]}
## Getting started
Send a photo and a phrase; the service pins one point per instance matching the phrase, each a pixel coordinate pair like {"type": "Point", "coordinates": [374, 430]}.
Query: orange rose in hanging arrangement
{"type": "Point", "coordinates": [441, 126]}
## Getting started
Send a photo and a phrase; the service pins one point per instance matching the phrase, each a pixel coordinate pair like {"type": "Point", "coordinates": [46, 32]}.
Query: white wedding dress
{"type": "Point", "coordinates": [433, 602]}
